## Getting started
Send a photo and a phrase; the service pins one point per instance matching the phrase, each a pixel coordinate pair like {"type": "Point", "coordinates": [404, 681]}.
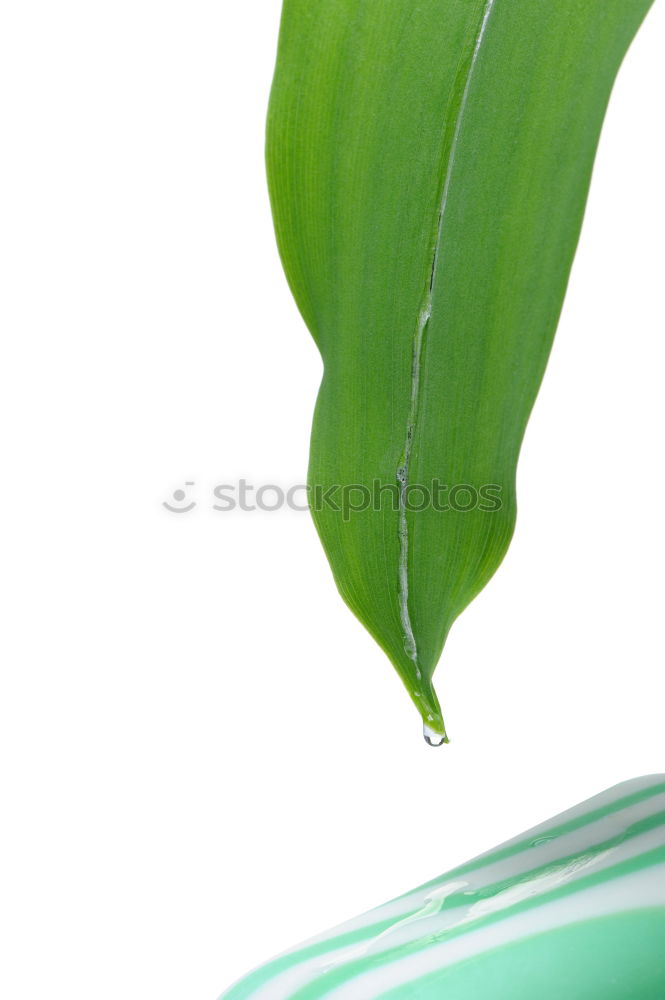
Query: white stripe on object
{"type": "Point", "coordinates": [636, 891]}
{"type": "Point", "coordinates": [430, 921]}
{"type": "Point", "coordinates": [486, 872]}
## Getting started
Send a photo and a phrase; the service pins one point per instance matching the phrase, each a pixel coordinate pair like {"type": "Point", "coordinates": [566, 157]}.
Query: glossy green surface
{"type": "Point", "coordinates": [573, 909]}
{"type": "Point", "coordinates": [611, 958]}
{"type": "Point", "coordinates": [428, 166]}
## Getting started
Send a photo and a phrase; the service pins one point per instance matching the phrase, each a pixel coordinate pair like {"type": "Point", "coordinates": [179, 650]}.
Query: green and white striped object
{"type": "Point", "coordinates": [571, 910]}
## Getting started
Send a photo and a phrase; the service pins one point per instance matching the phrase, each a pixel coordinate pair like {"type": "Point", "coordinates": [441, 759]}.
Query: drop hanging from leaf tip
{"type": "Point", "coordinates": [432, 738]}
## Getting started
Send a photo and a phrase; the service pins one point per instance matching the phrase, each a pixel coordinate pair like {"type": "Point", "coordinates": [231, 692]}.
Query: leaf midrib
{"type": "Point", "coordinates": [422, 324]}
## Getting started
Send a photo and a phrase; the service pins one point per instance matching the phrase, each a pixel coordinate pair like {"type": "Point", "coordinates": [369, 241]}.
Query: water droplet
{"type": "Point", "coordinates": [432, 738]}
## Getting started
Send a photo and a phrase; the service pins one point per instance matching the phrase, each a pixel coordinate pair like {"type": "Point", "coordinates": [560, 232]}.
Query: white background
{"type": "Point", "coordinates": [204, 757]}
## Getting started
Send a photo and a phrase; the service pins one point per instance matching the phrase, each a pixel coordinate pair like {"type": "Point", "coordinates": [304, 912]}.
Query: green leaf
{"type": "Point", "coordinates": [428, 165]}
